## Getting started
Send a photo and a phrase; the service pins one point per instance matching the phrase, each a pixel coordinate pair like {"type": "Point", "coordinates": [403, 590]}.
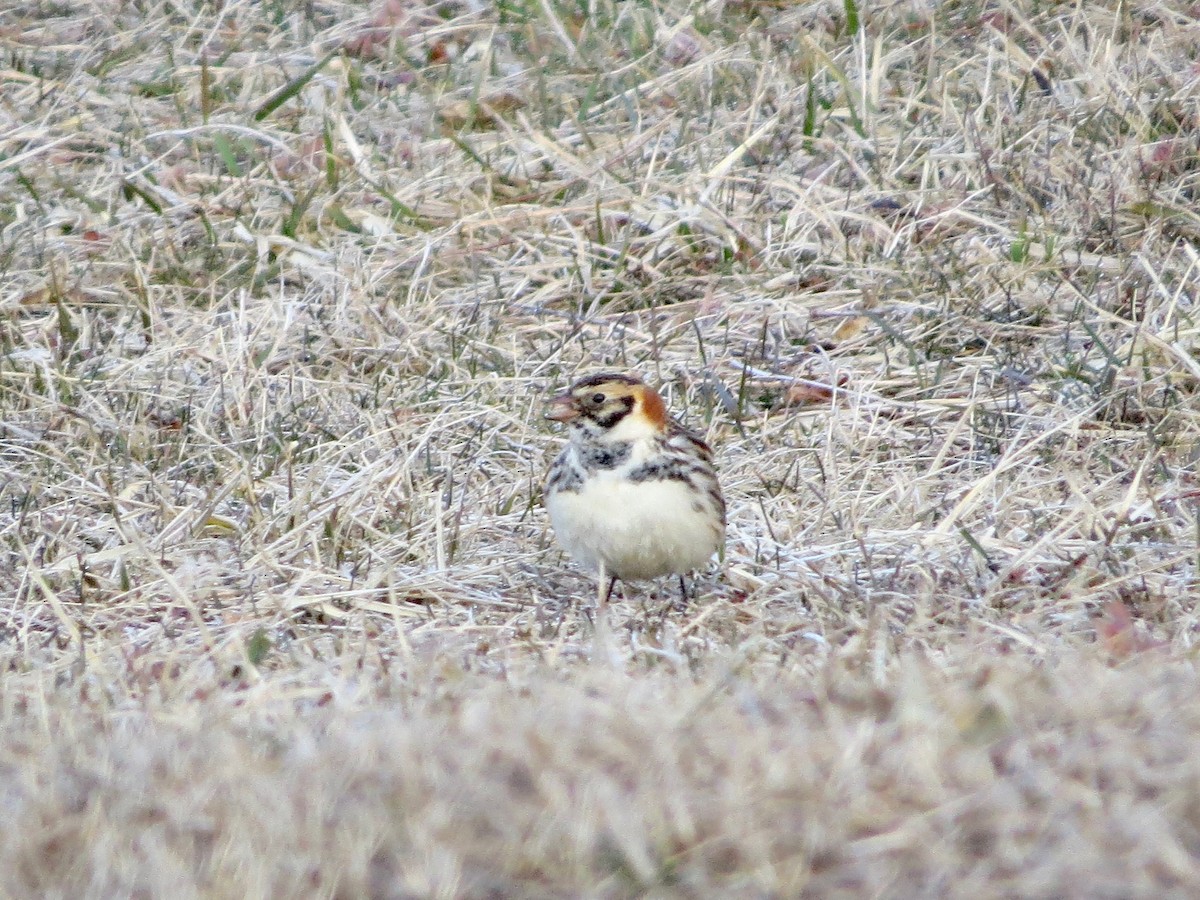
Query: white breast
{"type": "Point", "coordinates": [638, 530]}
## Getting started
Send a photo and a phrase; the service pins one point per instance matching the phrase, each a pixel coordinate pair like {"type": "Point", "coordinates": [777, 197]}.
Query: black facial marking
{"type": "Point", "coordinates": [599, 380]}
{"type": "Point", "coordinates": [613, 416]}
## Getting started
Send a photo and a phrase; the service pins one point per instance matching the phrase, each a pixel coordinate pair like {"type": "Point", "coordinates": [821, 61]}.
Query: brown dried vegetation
{"type": "Point", "coordinates": [283, 288]}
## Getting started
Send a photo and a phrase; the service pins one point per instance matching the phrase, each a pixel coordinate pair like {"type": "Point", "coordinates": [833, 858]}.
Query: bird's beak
{"type": "Point", "coordinates": [562, 408]}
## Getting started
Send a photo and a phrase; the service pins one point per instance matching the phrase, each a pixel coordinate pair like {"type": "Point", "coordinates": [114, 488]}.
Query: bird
{"type": "Point", "coordinates": [634, 495]}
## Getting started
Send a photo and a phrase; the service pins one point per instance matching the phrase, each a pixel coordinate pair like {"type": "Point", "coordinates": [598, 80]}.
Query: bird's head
{"type": "Point", "coordinates": [610, 407]}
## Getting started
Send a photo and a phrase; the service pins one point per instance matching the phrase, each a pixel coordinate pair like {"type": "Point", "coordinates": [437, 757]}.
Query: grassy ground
{"type": "Point", "coordinates": [284, 288]}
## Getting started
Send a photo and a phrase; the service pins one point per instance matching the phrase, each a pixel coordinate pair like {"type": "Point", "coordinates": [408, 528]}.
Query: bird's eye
{"type": "Point", "coordinates": [597, 399]}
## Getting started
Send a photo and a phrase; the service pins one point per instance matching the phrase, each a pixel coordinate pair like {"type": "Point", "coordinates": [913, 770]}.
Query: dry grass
{"type": "Point", "coordinates": [284, 288]}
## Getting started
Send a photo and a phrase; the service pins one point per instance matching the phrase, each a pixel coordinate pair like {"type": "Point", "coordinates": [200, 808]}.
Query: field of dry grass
{"type": "Point", "coordinates": [283, 290]}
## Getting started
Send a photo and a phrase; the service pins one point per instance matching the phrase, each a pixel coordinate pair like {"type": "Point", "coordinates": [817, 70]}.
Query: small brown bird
{"type": "Point", "coordinates": [634, 494]}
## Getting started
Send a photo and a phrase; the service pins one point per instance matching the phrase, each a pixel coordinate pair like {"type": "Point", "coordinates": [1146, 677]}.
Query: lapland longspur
{"type": "Point", "coordinates": [634, 494]}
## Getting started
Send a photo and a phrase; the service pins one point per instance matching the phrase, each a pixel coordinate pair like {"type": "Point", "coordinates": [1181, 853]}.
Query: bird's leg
{"type": "Point", "coordinates": [612, 582]}
{"type": "Point", "coordinates": [604, 586]}
{"type": "Point", "coordinates": [683, 594]}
